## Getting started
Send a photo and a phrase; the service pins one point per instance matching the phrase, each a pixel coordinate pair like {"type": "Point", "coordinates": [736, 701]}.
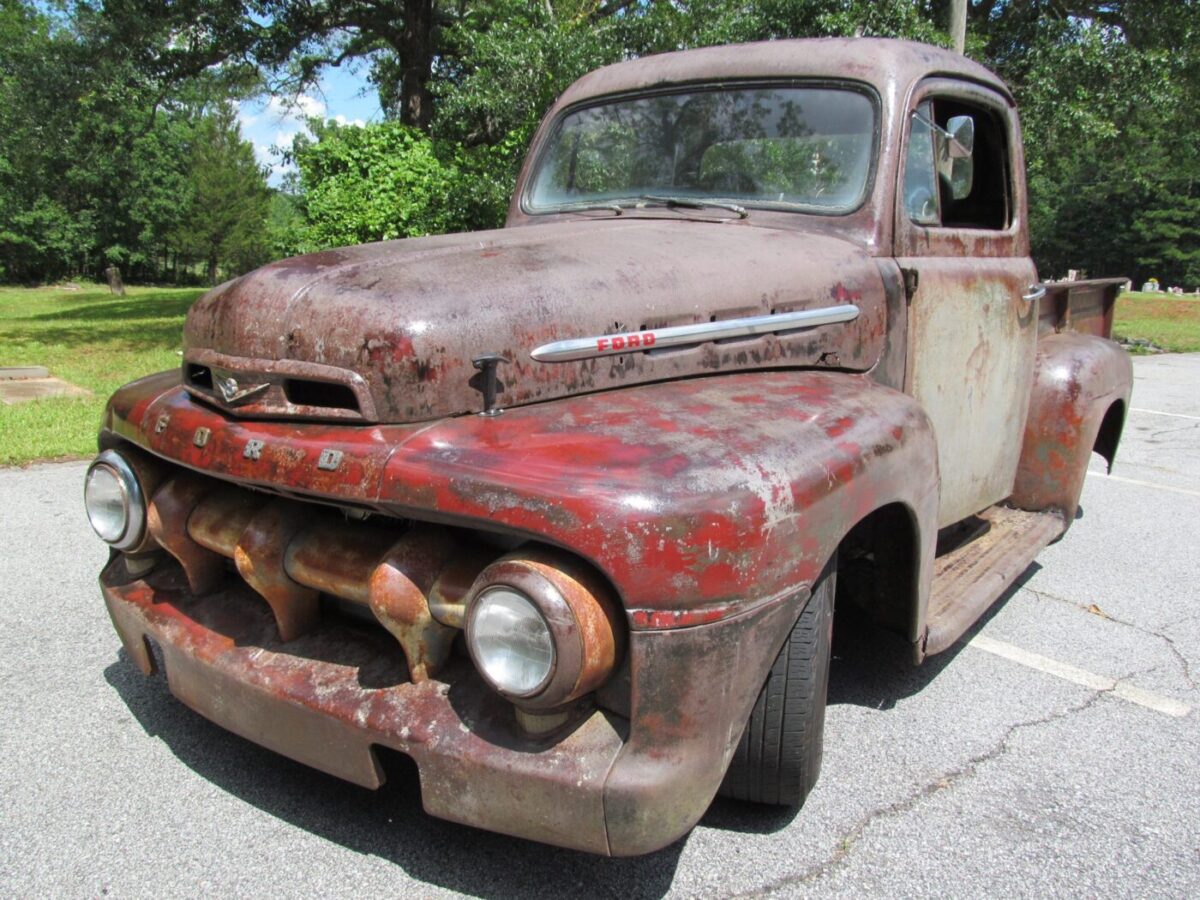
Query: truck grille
{"type": "Point", "coordinates": [413, 578]}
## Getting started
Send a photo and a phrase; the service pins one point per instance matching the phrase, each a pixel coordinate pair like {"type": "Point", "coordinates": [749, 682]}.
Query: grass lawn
{"type": "Point", "coordinates": [99, 342]}
{"type": "Point", "coordinates": [1172, 323]}
{"type": "Point", "coordinates": [89, 338]}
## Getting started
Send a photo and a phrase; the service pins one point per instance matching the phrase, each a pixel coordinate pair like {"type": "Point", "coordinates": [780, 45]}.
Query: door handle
{"type": "Point", "coordinates": [1036, 292]}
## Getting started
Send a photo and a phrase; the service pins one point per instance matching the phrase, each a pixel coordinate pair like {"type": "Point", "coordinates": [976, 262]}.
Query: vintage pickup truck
{"type": "Point", "coordinates": [562, 511]}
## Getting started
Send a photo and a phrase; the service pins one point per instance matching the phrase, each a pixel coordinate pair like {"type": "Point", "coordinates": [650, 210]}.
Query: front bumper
{"type": "Point", "coordinates": [329, 698]}
{"type": "Point", "coordinates": [603, 784]}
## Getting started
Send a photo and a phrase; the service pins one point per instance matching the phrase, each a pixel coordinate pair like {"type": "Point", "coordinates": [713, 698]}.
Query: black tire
{"type": "Point", "coordinates": [778, 759]}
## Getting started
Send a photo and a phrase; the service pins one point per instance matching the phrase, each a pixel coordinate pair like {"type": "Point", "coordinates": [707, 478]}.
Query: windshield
{"type": "Point", "coordinates": [794, 147]}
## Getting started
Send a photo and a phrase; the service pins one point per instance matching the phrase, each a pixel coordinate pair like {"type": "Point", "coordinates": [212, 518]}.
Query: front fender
{"type": "Point", "coordinates": [1077, 380]}
{"type": "Point", "coordinates": [695, 497]}
{"type": "Point", "coordinates": [711, 503]}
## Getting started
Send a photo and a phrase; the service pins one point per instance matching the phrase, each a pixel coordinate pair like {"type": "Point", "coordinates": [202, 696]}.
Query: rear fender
{"type": "Point", "coordinates": [1080, 395]}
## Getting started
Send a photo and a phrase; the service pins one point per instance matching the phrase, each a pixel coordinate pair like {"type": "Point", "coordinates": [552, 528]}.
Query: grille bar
{"type": "Point", "coordinates": [292, 552]}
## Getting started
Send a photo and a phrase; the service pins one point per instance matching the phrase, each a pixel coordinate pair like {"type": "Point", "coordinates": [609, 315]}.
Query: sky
{"type": "Point", "coordinates": [270, 122]}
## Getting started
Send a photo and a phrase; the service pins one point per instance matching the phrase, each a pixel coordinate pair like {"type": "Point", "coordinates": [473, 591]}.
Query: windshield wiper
{"type": "Point", "coordinates": [587, 207]}
{"type": "Point", "coordinates": [694, 203]}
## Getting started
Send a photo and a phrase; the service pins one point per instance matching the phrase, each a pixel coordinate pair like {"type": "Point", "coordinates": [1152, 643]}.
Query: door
{"type": "Point", "coordinates": [961, 226]}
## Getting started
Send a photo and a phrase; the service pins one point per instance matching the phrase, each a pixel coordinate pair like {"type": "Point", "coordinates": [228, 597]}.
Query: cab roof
{"type": "Point", "coordinates": [890, 66]}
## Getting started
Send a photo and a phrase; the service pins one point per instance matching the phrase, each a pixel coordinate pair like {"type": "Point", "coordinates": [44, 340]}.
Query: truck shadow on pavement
{"type": "Point", "coordinates": [870, 667]}
{"type": "Point", "coordinates": [388, 823]}
{"type": "Point", "coordinates": [873, 667]}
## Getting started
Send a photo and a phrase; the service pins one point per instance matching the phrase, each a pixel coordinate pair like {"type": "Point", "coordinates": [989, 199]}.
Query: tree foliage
{"type": "Point", "coordinates": [101, 108]}
{"type": "Point", "coordinates": [374, 183]}
{"type": "Point", "coordinates": [224, 220]}
{"type": "Point", "coordinates": [1109, 101]}
{"type": "Point", "coordinates": [98, 168]}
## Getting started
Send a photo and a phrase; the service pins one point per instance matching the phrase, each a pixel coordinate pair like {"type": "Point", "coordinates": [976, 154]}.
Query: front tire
{"type": "Point", "coordinates": [778, 759]}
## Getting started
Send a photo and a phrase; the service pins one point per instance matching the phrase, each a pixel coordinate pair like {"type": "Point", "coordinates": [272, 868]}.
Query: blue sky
{"type": "Point", "coordinates": [270, 122]}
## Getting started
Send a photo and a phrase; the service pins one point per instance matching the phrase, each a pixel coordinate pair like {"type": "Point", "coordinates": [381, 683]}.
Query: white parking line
{"type": "Point", "coordinates": [1161, 487]}
{"type": "Point", "coordinates": [1155, 412]}
{"type": "Point", "coordinates": [1067, 672]}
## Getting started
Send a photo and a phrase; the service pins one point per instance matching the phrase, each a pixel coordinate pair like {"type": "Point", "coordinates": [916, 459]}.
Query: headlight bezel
{"type": "Point", "coordinates": [134, 532]}
{"type": "Point", "coordinates": [579, 610]}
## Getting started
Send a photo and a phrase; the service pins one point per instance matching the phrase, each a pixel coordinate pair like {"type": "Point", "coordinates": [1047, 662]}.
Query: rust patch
{"type": "Point", "coordinates": [1078, 377]}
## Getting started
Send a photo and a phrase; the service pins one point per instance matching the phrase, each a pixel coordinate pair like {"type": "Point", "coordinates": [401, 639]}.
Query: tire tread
{"type": "Point", "coordinates": [778, 758]}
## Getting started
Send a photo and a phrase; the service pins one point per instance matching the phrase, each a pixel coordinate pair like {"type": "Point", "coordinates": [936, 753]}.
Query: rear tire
{"type": "Point", "coordinates": [778, 759]}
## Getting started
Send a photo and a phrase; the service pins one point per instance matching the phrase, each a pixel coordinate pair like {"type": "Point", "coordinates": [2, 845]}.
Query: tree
{"type": "Point", "coordinates": [1107, 111]}
{"type": "Point", "coordinates": [373, 183]}
{"type": "Point", "coordinates": [285, 42]}
{"type": "Point", "coordinates": [95, 163]}
{"type": "Point", "coordinates": [226, 215]}
{"type": "Point", "coordinates": [1168, 237]}
{"type": "Point", "coordinates": [98, 109]}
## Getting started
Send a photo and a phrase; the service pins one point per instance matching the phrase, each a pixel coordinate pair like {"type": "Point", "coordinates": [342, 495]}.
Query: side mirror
{"type": "Point", "coordinates": [954, 159]}
{"type": "Point", "coordinates": [961, 131]}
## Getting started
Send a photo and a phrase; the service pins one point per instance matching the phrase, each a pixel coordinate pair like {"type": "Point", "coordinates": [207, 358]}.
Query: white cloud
{"type": "Point", "coordinates": [269, 150]}
{"type": "Point", "coordinates": [272, 126]}
{"type": "Point", "coordinates": [307, 106]}
{"type": "Point", "coordinates": [283, 111]}
{"type": "Point", "coordinates": [272, 123]}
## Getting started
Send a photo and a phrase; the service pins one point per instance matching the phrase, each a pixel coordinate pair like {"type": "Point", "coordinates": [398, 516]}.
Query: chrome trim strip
{"type": "Point", "coordinates": [684, 335]}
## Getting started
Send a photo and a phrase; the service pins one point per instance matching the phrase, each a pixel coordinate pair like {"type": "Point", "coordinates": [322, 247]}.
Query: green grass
{"type": "Point", "coordinates": [89, 338]}
{"type": "Point", "coordinates": [100, 342]}
{"type": "Point", "coordinates": [1170, 322]}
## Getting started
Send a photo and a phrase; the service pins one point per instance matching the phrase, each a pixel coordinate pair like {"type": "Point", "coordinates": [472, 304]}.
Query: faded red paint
{"type": "Point", "coordinates": [597, 474]}
{"type": "Point", "coordinates": [394, 322]}
{"type": "Point", "coordinates": [328, 698]}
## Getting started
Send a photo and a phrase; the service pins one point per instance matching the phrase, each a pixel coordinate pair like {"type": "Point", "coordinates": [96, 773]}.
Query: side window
{"type": "Point", "coordinates": [958, 153]}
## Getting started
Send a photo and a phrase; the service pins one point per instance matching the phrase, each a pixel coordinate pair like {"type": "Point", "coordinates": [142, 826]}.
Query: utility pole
{"type": "Point", "coordinates": [958, 24]}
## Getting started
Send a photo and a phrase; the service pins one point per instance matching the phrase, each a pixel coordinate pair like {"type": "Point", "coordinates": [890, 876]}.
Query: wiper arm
{"type": "Point", "coordinates": [695, 203]}
{"type": "Point", "coordinates": [585, 207]}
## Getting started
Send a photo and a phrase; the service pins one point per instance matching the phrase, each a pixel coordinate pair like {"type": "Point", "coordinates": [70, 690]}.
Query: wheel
{"type": "Point", "coordinates": [779, 756]}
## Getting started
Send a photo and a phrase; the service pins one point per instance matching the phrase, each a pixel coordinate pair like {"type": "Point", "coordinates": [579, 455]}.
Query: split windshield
{"type": "Point", "coordinates": [803, 148]}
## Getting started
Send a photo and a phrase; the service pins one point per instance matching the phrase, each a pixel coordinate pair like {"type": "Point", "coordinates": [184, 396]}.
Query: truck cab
{"type": "Point", "coordinates": [563, 511]}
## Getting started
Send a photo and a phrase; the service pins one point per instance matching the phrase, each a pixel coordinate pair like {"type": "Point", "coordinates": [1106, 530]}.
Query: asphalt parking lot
{"type": "Point", "coordinates": [1056, 750]}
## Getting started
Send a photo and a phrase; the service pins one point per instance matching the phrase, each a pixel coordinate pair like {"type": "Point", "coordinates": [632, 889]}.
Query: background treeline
{"type": "Point", "coordinates": [119, 142]}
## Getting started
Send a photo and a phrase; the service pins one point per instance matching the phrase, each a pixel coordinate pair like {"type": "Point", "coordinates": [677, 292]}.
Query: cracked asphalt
{"type": "Point", "coordinates": [972, 776]}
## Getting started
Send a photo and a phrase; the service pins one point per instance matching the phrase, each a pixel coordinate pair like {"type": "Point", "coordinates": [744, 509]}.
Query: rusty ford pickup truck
{"type": "Point", "coordinates": [562, 511]}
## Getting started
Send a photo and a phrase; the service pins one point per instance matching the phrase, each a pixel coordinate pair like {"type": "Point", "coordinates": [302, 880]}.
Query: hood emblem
{"type": "Point", "coordinates": [234, 393]}
{"type": "Point", "coordinates": [691, 335]}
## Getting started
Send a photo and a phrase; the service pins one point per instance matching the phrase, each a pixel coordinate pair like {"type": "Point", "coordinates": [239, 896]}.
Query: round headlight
{"type": "Point", "coordinates": [114, 501]}
{"type": "Point", "coordinates": [543, 628]}
{"type": "Point", "coordinates": [511, 642]}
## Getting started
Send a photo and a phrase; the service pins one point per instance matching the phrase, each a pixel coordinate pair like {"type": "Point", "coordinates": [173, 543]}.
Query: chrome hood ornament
{"type": "Point", "coordinates": [234, 393]}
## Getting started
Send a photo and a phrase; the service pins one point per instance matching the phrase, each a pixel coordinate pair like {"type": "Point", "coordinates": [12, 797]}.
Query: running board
{"type": "Point", "coordinates": [971, 577]}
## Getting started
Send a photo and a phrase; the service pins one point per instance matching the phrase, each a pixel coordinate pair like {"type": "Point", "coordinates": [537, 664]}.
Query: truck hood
{"type": "Point", "coordinates": [387, 332]}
